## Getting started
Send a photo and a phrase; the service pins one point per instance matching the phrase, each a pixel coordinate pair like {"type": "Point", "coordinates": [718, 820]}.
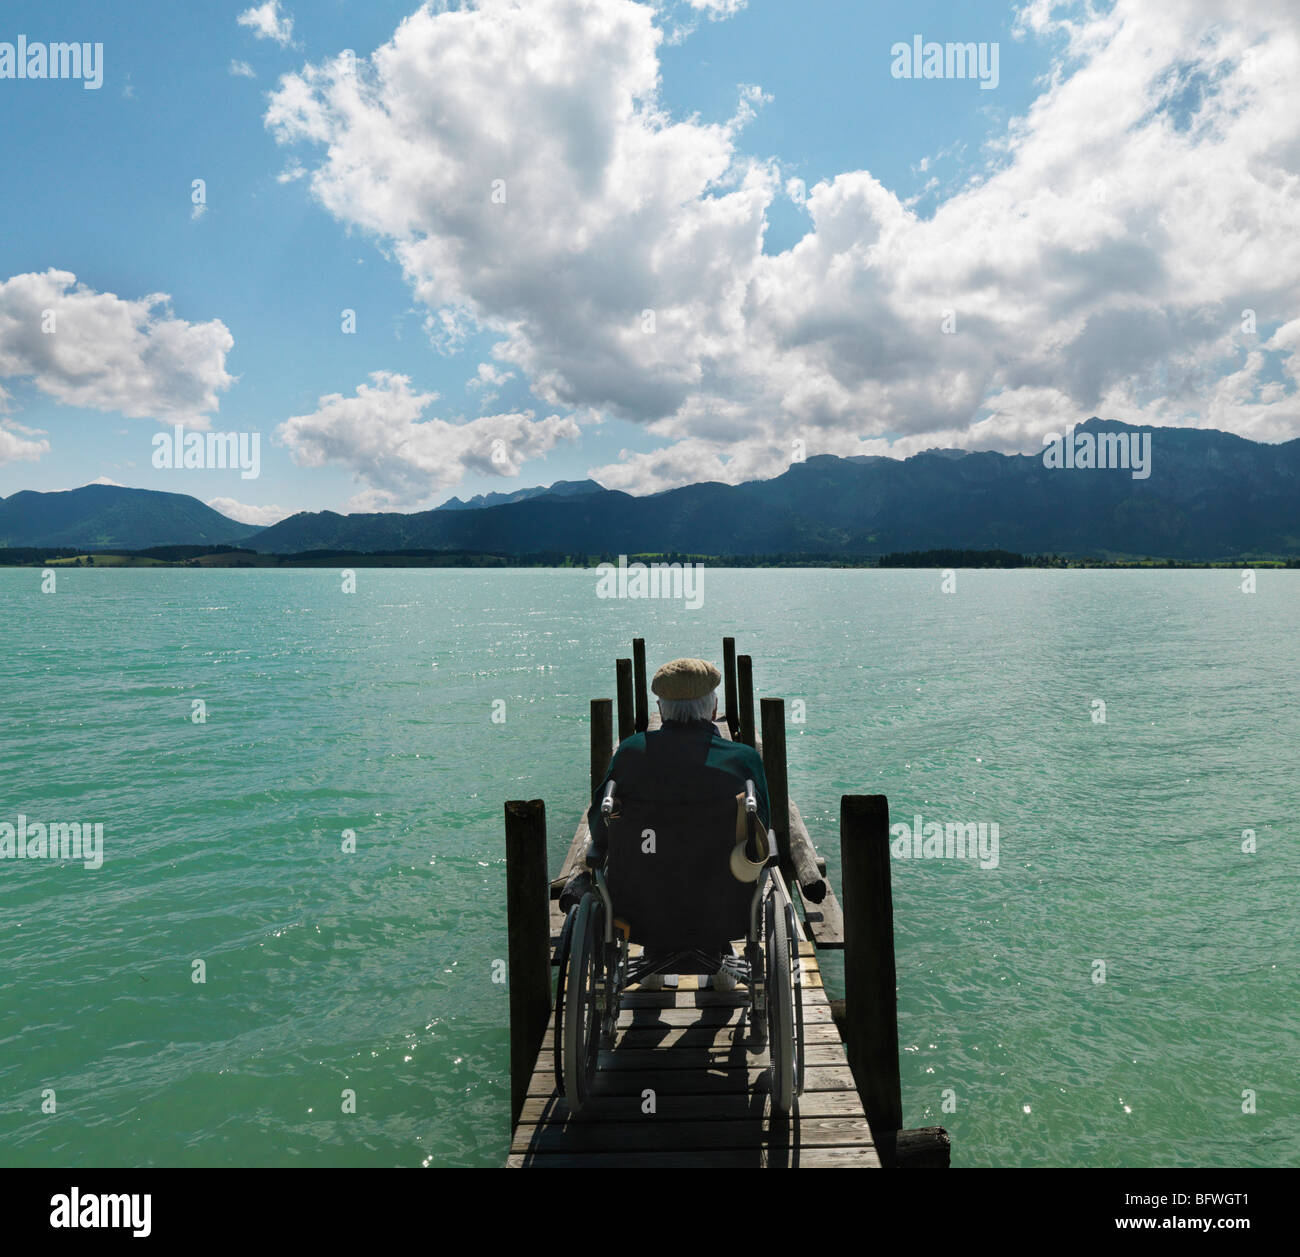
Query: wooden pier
{"type": "Point", "coordinates": [683, 1085]}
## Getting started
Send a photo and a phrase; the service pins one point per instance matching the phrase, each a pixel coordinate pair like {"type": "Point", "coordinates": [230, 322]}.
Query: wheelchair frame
{"type": "Point", "coordinates": [595, 968]}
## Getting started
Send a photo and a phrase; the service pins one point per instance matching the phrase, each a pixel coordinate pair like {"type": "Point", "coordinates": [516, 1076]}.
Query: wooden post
{"type": "Point", "coordinates": [642, 697]}
{"type": "Point", "coordinates": [778, 790]}
{"type": "Point", "coordinates": [602, 739]}
{"type": "Point", "coordinates": [626, 711]}
{"type": "Point", "coordinates": [745, 670]}
{"type": "Point", "coordinates": [928, 1148]}
{"type": "Point", "coordinates": [870, 982]}
{"type": "Point", "coordinates": [528, 929]}
{"type": "Point", "coordinates": [803, 855]}
{"type": "Point", "coordinates": [729, 684]}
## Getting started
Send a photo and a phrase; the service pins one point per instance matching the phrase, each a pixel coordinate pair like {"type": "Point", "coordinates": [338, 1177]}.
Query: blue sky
{"type": "Point", "coordinates": [105, 193]}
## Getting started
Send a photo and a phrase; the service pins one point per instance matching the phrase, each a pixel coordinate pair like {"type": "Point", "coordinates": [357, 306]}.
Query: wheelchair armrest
{"type": "Point", "coordinates": [593, 857]}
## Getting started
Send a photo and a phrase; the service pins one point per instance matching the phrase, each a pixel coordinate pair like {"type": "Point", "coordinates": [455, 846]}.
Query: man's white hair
{"type": "Point", "coordinates": [688, 708]}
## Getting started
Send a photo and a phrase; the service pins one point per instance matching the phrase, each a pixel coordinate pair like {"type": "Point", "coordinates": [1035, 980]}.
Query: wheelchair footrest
{"type": "Point", "coordinates": [670, 981]}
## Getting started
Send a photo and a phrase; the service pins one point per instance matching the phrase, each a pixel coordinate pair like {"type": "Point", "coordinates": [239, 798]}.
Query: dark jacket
{"type": "Point", "coordinates": [680, 763]}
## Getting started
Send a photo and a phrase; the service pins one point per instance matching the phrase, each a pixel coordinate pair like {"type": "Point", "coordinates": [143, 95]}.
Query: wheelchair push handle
{"type": "Point", "coordinates": [607, 803]}
{"type": "Point", "coordinates": [756, 830]}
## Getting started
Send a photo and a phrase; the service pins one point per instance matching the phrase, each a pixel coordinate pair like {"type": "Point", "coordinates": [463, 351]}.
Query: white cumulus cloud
{"type": "Point", "coordinates": [381, 434]}
{"type": "Point", "coordinates": [718, 8]}
{"type": "Point", "coordinates": [262, 516]}
{"type": "Point", "coordinates": [18, 443]}
{"type": "Point", "coordinates": [104, 352]}
{"type": "Point", "coordinates": [519, 163]}
{"type": "Point", "coordinates": [267, 22]}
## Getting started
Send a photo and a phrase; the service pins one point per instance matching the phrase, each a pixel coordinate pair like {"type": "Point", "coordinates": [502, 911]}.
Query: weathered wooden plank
{"type": "Point", "coordinates": [690, 983]}
{"type": "Point", "coordinates": [811, 876]}
{"type": "Point", "coordinates": [557, 924]}
{"type": "Point", "coordinates": [715, 1080]}
{"type": "Point", "coordinates": [692, 1058]}
{"type": "Point", "coordinates": [808, 968]}
{"type": "Point", "coordinates": [824, 921]}
{"type": "Point", "coordinates": [662, 1038]}
{"type": "Point", "coordinates": [697, 1001]}
{"type": "Point", "coordinates": [649, 1133]}
{"type": "Point", "coordinates": [574, 855]}
{"type": "Point", "coordinates": [863, 1157]}
{"type": "Point", "coordinates": [807, 946]}
{"type": "Point", "coordinates": [810, 975]}
{"type": "Point", "coordinates": [700, 1108]}
{"type": "Point", "coordinates": [719, 1015]}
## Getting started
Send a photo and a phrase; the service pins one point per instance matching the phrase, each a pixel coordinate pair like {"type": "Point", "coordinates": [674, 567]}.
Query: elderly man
{"type": "Point", "coordinates": [684, 761]}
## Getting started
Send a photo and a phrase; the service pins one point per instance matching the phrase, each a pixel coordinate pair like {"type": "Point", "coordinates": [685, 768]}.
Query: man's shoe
{"type": "Point", "coordinates": [724, 981]}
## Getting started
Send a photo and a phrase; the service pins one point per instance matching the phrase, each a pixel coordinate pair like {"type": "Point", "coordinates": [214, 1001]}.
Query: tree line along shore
{"type": "Point", "coordinates": [234, 556]}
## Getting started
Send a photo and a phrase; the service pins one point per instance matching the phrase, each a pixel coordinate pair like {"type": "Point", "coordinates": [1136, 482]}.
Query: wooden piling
{"type": "Point", "coordinates": [811, 875]}
{"type": "Point", "coordinates": [778, 790]}
{"type": "Point", "coordinates": [528, 931]}
{"type": "Point", "coordinates": [928, 1148]}
{"type": "Point", "coordinates": [602, 739]}
{"type": "Point", "coordinates": [626, 711]}
{"type": "Point", "coordinates": [642, 697]}
{"type": "Point", "coordinates": [745, 673]}
{"type": "Point", "coordinates": [729, 684]}
{"type": "Point", "coordinates": [870, 980]}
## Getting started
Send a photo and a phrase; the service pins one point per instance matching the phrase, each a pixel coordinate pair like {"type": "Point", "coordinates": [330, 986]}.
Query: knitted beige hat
{"type": "Point", "coordinates": [686, 678]}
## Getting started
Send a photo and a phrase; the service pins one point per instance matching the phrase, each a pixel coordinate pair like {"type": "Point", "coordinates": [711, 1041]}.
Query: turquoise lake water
{"type": "Point", "coordinates": [372, 972]}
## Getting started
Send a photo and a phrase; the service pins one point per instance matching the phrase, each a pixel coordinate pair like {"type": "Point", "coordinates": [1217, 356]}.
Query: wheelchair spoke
{"type": "Point", "coordinates": [585, 986]}
{"type": "Point", "coordinates": [780, 1003]}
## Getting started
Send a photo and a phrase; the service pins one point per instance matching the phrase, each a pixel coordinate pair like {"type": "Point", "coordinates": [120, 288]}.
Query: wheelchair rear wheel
{"type": "Point", "coordinates": [783, 1024]}
{"type": "Point", "coordinates": [584, 993]}
{"type": "Point", "coordinates": [562, 972]}
{"type": "Point", "coordinates": [796, 978]}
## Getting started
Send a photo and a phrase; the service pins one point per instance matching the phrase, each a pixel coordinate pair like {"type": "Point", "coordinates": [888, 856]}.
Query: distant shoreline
{"type": "Point", "coordinates": [236, 557]}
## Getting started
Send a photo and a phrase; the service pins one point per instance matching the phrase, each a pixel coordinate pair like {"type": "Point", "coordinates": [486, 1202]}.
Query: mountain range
{"type": "Point", "coordinates": [1209, 495]}
{"type": "Point", "coordinates": [561, 488]}
{"type": "Point", "coordinates": [98, 516]}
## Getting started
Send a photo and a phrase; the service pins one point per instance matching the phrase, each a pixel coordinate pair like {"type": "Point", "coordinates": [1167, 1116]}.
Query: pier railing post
{"type": "Point", "coordinates": [528, 928]}
{"type": "Point", "coordinates": [729, 684]}
{"type": "Point", "coordinates": [745, 671]}
{"type": "Point", "coordinates": [778, 788]}
{"type": "Point", "coordinates": [602, 739]}
{"type": "Point", "coordinates": [870, 980]}
{"type": "Point", "coordinates": [642, 698]}
{"type": "Point", "coordinates": [626, 711]}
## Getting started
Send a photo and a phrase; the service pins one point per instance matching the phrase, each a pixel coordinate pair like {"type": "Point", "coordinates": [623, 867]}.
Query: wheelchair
{"type": "Point", "coordinates": [672, 882]}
